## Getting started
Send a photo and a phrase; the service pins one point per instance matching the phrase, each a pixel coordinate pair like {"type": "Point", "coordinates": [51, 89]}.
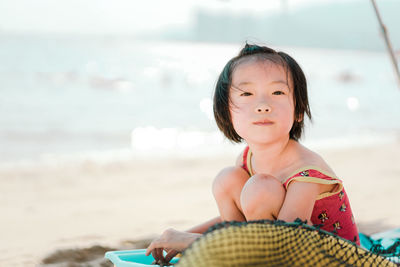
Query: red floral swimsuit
{"type": "Point", "coordinates": [332, 210]}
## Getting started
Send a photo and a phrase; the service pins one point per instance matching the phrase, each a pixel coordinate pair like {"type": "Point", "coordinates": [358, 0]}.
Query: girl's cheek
{"type": "Point", "coordinates": [236, 116]}
{"type": "Point", "coordinates": [235, 108]}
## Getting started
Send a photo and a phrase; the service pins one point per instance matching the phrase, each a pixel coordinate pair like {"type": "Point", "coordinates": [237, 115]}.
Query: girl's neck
{"type": "Point", "coordinates": [271, 158]}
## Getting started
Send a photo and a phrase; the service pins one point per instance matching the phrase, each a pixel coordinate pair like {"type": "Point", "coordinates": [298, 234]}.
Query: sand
{"type": "Point", "coordinates": [68, 214]}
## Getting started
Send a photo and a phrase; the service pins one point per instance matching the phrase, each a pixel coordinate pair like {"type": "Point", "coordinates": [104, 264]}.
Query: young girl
{"type": "Point", "coordinates": [261, 98]}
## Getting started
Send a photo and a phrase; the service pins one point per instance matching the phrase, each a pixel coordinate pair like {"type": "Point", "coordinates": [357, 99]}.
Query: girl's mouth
{"type": "Point", "coordinates": [263, 123]}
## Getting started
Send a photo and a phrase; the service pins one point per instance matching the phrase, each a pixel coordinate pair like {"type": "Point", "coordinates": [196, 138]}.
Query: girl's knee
{"type": "Point", "coordinates": [227, 181]}
{"type": "Point", "coordinates": [262, 192]}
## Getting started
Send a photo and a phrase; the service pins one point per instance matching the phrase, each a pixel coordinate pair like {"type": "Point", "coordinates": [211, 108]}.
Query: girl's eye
{"type": "Point", "coordinates": [245, 94]}
{"type": "Point", "coordinates": [278, 93]}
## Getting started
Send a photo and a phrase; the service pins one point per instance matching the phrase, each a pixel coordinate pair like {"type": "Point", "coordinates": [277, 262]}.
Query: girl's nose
{"type": "Point", "coordinates": [262, 108]}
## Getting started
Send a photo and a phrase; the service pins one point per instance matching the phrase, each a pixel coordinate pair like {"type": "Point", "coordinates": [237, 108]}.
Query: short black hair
{"type": "Point", "coordinates": [221, 103]}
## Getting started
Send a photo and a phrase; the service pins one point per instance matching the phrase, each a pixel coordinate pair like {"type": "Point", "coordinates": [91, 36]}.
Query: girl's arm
{"type": "Point", "coordinates": [299, 201]}
{"type": "Point", "coordinates": [201, 228]}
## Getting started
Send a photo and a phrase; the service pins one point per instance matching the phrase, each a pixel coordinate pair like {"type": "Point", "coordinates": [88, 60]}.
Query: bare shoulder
{"type": "Point", "coordinates": [307, 157]}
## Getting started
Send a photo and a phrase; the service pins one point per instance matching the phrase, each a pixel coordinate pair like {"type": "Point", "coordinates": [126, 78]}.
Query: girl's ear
{"type": "Point", "coordinates": [299, 118]}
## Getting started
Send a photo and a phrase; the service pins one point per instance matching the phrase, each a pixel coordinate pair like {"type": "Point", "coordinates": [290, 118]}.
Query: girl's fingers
{"type": "Point", "coordinates": [153, 245]}
{"type": "Point", "coordinates": [160, 255]}
{"type": "Point", "coordinates": [156, 250]}
{"type": "Point", "coordinates": [154, 253]}
{"type": "Point", "coordinates": [152, 248]}
{"type": "Point", "coordinates": [170, 255]}
{"type": "Point", "coordinates": [149, 249]}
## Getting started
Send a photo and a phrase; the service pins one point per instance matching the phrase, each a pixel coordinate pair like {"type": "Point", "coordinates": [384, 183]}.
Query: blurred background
{"type": "Point", "coordinates": [106, 124]}
{"type": "Point", "coordinates": [122, 78]}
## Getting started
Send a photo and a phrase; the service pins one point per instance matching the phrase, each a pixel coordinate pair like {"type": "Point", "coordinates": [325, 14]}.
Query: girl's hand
{"type": "Point", "coordinates": [173, 242]}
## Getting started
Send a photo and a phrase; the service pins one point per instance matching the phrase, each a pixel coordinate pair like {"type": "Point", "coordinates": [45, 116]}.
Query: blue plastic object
{"type": "Point", "coordinates": [132, 258]}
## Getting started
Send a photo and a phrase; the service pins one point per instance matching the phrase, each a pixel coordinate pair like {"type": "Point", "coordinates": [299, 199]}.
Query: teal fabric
{"type": "Point", "coordinates": [386, 244]}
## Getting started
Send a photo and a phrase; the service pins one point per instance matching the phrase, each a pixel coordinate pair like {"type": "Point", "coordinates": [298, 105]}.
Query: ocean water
{"type": "Point", "coordinates": [64, 98]}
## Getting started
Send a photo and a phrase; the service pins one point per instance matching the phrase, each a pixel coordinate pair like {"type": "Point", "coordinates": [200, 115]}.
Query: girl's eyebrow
{"type": "Point", "coordinates": [279, 81]}
{"type": "Point", "coordinates": [245, 83]}
{"type": "Point", "coordinates": [237, 88]}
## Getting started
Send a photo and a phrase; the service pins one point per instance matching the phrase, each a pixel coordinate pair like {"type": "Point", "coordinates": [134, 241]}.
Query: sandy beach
{"type": "Point", "coordinates": [82, 209]}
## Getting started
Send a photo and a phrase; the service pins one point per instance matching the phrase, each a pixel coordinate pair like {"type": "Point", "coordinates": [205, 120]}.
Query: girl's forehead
{"type": "Point", "coordinates": [259, 65]}
{"type": "Point", "coordinates": [255, 69]}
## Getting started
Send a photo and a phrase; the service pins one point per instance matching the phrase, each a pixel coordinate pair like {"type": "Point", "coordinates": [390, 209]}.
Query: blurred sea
{"type": "Point", "coordinates": [101, 98]}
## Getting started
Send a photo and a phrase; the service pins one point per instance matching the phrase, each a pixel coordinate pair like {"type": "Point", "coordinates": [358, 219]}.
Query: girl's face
{"type": "Point", "coordinates": [262, 107]}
